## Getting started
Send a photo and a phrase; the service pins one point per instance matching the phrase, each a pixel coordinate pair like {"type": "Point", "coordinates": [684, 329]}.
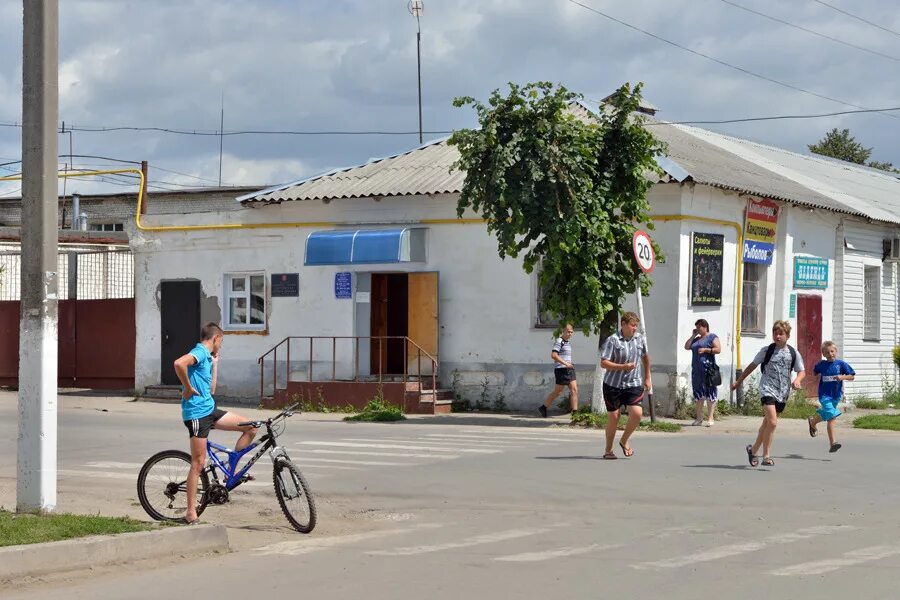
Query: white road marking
{"type": "Point", "coordinates": [371, 463]}
{"type": "Point", "coordinates": [557, 553]}
{"type": "Point", "coordinates": [512, 439]}
{"type": "Point", "coordinates": [115, 465]}
{"type": "Point", "coordinates": [854, 557]}
{"type": "Point", "coordinates": [360, 453]}
{"type": "Point", "coordinates": [312, 544]}
{"type": "Point", "coordinates": [488, 538]}
{"type": "Point", "coordinates": [742, 548]}
{"type": "Point", "coordinates": [533, 431]}
{"type": "Point", "coordinates": [132, 476]}
{"type": "Point", "coordinates": [453, 445]}
{"type": "Point", "coordinates": [398, 447]}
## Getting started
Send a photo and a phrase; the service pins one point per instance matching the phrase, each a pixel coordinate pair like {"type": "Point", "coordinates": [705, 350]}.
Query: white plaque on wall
{"type": "Point", "coordinates": [363, 297]}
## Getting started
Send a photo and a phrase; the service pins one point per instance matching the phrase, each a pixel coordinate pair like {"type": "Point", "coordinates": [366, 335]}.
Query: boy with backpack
{"type": "Point", "coordinates": [832, 372]}
{"type": "Point", "coordinates": [777, 360]}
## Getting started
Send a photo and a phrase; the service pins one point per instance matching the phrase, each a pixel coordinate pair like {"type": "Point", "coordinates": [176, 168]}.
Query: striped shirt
{"type": "Point", "coordinates": [620, 351]}
{"type": "Point", "coordinates": [564, 349]}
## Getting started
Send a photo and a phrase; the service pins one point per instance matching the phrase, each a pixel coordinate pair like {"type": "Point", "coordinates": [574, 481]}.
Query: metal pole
{"type": "Point", "coordinates": [144, 169]}
{"type": "Point", "coordinates": [36, 456]}
{"type": "Point", "coordinates": [640, 304]}
{"type": "Point", "coordinates": [419, 67]}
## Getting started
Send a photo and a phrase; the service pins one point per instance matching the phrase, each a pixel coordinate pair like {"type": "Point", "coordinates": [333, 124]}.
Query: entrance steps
{"type": "Point", "coordinates": [162, 393]}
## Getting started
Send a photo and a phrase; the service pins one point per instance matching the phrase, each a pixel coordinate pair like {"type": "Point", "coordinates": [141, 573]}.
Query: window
{"type": "Point", "coordinates": [107, 227]}
{"type": "Point", "coordinates": [872, 304]}
{"type": "Point", "coordinates": [752, 298]}
{"type": "Point", "coordinates": [543, 319]}
{"type": "Point", "coordinates": [245, 301]}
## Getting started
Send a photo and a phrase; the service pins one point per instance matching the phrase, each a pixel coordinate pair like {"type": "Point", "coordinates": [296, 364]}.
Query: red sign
{"type": "Point", "coordinates": [643, 251]}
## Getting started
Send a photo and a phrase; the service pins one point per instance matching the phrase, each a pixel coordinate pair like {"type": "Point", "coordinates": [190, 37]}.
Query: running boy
{"type": "Point", "coordinates": [777, 360]}
{"type": "Point", "coordinates": [832, 372]}
{"type": "Point", "coordinates": [627, 363]}
{"type": "Point", "coordinates": [563, 371]}
{"type": "Point", "coordinates": [197, 370]}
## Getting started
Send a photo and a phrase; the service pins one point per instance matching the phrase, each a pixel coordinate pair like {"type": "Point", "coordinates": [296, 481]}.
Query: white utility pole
{"type": "Point", "coordinates": [36, 456]}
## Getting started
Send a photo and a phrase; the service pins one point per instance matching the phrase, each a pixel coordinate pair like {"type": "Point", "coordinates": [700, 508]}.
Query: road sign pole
{"type": "Point", "coordinates": [640, 303]}
{"type": "Point", "coordinates": [646, 260]}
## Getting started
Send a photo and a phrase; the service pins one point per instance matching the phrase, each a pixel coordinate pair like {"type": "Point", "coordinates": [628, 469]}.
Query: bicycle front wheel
{"type": "Point", "coordinates": [294, 496]}
{"type": "Point", "coordinates": [162, 486]}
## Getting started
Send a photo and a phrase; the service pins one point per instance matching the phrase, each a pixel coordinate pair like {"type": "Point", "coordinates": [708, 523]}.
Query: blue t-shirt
{"type": "Point", "coordinates": [829, 385]}
{"type": "Point", "coordinates": [200, 376]}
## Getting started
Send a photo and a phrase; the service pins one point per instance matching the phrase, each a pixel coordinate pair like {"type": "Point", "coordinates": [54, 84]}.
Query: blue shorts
{"type": "Point", "coordinates": [828, 408]}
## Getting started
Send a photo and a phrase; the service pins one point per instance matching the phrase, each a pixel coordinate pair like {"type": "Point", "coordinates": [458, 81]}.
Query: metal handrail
{"type": "Point", "coordinates": [420, 354]}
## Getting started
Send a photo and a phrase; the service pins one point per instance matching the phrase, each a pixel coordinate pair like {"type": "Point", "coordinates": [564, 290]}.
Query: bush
{"type": "Point", "coordinates": [377, 410]}
{"type": "Point", "coordinates": [798, 407]}
{"type": "Point", "coordinates": [586, 417]}
{"type": "Point", "coordinates": [724, 408]}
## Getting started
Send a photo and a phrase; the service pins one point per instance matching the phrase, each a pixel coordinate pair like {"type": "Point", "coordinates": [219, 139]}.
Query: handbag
{"type": "Point", "coordinates": [713, 375]}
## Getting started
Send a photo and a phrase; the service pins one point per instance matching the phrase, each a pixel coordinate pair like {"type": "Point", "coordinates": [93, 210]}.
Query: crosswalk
{"type": "Point", "coordinates": [418, 448]}
{"type": "Point", "coordinates": [542, 545]}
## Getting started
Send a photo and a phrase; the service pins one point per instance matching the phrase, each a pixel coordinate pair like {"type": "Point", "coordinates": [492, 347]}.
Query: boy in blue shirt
{"type": "Point", "coordinates": [832, 375]}
{"type": "Point", "coordinates": [197, 370]}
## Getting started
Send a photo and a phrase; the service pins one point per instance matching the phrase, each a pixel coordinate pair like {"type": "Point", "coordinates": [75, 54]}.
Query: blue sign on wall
{"type": "Point", "coordinates": [343, 286]}
{"type": "Point", "coordinates": [810, 273]}
{"type": "Point", "coordinates": [758, 252]}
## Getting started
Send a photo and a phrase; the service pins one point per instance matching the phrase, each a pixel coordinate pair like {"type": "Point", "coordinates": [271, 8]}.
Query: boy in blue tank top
{"type": "Point", "coordinates": [832, 373]}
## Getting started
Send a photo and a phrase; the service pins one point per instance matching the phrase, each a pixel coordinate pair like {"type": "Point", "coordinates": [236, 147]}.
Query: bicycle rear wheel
{"type": "Point", "coordinates": [162, 485]}
{"type": "Point", "coordinates": [294, 495]}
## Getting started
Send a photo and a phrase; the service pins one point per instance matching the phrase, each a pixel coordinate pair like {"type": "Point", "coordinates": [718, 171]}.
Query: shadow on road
{"type": "Point", "coordinates": [569, 457]}
{"type": "Point", "coordinates": [801, 457]}
{"type": "Point", "coordinates": [731, 467]}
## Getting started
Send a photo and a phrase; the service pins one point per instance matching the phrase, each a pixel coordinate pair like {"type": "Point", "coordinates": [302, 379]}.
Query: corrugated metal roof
{"type": "Point", "coordinates": [693, 154]}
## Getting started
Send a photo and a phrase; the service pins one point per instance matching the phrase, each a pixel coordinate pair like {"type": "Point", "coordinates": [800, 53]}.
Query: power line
{"type": "Point", "coordinates": [857, 17]}
{"type": "Point", "coordinates": [721, 62]}
{"type": "Point", "coordinates": [807, 30]}
{"type": "Point", "coordinates": [779, 117]}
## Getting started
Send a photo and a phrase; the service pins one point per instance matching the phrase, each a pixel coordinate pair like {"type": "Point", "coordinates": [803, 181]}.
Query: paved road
{"type": "Point", "coordinates": [449, 511]}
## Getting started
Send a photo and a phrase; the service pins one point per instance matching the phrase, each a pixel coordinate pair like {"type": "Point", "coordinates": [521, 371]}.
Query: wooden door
{"type": "Point", "coordinates": [423, 321]}
{"type": "Point", "coordinates": [378, 327]}
{"type": "Point", "coordinates": [809, 338]}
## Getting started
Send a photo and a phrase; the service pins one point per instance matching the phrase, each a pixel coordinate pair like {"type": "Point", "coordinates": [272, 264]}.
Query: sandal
{"type": "Point", "coordinates": [834, 447]}
{"type": "Point", "coordinates": [754, 460]}
{"type": "Point", "coordinates": [194, 522]}
{"type": "Point", "coordinates": [812, 427]}
{"type": "Point", "coordinates": [768, 462]}
{"type": "Point", "coordinates": [628, 452]}
{"type": "Point", "coordinates": [610, 456]}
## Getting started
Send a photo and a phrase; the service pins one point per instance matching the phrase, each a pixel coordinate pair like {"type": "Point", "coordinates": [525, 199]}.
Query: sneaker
{"type": "Point", "coordinates": [543, 410]}
{"type": "Point", "coordinates": [697, 422]}
{"type": "Point", "coordinates": [710, 423]}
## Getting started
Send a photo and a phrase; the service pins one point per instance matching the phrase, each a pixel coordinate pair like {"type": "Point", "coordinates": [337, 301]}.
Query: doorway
{"type": "Point", "coordinates": [809, 338]}
{"type": "Point", "coordinates": [180, 324]}
{"type": "Point", "coordinates": [404, 305]}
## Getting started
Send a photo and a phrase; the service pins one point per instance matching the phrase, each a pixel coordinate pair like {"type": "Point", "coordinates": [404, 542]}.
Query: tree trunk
{"type": "Point", "coordinates": [607, 328]}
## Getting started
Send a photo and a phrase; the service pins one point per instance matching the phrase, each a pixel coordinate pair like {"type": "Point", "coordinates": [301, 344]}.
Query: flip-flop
{"type": "Point", "coordinates": [834, 447]}
{"type": "Point", "coordinates": [754, 461]}
{"type": "Point", "coordinates": [610, 456]}
{"type": "Point", "coordinates": [768, 462]}
{"type": "Point", "coordinates": [628, 452]}
{"type": "Point", "coordinates": [194, 522]}
{"type": "Point", "coordinates": [812, 428]}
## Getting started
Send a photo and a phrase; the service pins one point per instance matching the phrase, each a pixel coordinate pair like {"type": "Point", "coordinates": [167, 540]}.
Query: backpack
{"type": "Point", "coordinates": [770, 351]}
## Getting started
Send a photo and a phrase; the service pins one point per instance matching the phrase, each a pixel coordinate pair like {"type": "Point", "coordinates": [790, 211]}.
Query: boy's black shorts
{"type": "Point", "coordinates": [770, 401]}
{"type": "Point", "coordinates": [615, 398]}
{"type": "Point", "coordinates": [201, 427]}
{"type": "Point", "coordinates": [564, 375]}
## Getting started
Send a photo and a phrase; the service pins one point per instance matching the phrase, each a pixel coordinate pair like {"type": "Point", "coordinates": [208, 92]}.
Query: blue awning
{"type": "Point", "coordinates": [363, 247]}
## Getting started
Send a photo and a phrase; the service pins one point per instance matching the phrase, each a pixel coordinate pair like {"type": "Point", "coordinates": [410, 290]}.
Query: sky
{"type": "Point", "coordinates": [350, 65]}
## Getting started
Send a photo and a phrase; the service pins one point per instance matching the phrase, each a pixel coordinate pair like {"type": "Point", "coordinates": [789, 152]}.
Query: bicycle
{"type": "Point", "coordinates": [163, 478]}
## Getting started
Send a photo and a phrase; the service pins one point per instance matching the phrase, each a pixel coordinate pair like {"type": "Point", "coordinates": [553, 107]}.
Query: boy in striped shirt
{"type": "Point", "coordinates": [626, 360]}
{"type": "Point", "coordinates": [563, 371]}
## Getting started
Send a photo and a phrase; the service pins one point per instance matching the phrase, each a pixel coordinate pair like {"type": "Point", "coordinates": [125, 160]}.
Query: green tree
{"type": "Point", "coordinates": [843, 146]}
{"type": "Point", "coordinates": [565, 193]}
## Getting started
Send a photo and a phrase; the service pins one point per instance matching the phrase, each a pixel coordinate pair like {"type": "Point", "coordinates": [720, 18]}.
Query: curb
{"type": "Point", "coordinates": [93, 551]}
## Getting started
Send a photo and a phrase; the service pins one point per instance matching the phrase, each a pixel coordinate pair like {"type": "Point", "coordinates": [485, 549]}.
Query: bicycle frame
{"type": "Point", "coordinates": [267, 443]}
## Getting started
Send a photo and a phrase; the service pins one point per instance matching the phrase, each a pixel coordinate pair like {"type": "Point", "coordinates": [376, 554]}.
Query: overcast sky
{"type": "Point", "coordinates": [351, 65]}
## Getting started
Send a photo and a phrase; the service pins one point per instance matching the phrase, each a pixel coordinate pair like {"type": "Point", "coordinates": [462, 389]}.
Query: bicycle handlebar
{"type": "Point", "coordinates": [287, 412]}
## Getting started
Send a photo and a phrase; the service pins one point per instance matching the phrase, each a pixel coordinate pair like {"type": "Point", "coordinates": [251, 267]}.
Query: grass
{"type": "Point", "coordinates": [888, 422]}
{"type": "Point", "coordinates": [870, 403]}
{"type": "Point", "coordinates": [587, 418]}
{"type": "Point", "coordinates": [378, 411]}
{"type": "Point", "coordinates": [17, 529]}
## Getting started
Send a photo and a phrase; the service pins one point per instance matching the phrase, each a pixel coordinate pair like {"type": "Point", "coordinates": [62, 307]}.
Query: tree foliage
{"type": "Point", "coordinates": [566, 193]}
{"type": "Point", "coordinates": [843, 146]}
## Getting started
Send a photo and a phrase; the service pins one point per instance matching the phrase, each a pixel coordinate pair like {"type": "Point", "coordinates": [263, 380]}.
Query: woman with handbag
{"type": "Point", "coordinates": [705, 374]}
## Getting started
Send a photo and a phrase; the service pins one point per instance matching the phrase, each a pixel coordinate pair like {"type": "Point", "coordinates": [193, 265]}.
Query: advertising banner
{"type": "Point", "coordinates": [760, 229]}
{"type": "Point", "coordinates": [707, 253]}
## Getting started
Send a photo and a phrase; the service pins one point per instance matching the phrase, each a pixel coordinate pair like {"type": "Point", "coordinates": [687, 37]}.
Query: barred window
{"type": "Point", "coordinates": [872, 304]}
{"type": "Point", "coordinates": [752, 297]}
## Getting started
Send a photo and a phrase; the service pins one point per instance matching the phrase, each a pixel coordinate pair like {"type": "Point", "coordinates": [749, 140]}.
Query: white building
{"type": "Point", "coordinates": [416, 270]}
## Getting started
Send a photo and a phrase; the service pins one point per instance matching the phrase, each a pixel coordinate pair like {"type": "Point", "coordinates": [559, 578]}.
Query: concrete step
{"type": "Point", "coordinates": [162, 393]}
{"type": "Point", "coordinates": [440, 395]}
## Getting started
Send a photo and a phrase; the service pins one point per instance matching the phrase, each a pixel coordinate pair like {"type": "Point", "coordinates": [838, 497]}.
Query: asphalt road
{"type": "Point", "coordinates": [420, 509]}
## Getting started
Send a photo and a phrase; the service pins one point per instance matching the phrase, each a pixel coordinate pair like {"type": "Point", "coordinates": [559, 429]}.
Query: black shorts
{"type": "Point", "coordinates": [564, 375]}
{"type": "Point", "coordinates": [770, 401]}
{"type": "Point", "coordinates": [201, 427]}
{"type": "Point", "coordinates": [615, 398]}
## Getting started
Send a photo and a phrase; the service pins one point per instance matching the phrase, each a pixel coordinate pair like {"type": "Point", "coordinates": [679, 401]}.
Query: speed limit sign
{"type": "Point", "coordinates": [643, 251]}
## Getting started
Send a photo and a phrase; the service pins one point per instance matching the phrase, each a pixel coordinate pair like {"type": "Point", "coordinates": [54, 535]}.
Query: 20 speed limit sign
{"type": "Point", "coordinates": [643, 251]}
